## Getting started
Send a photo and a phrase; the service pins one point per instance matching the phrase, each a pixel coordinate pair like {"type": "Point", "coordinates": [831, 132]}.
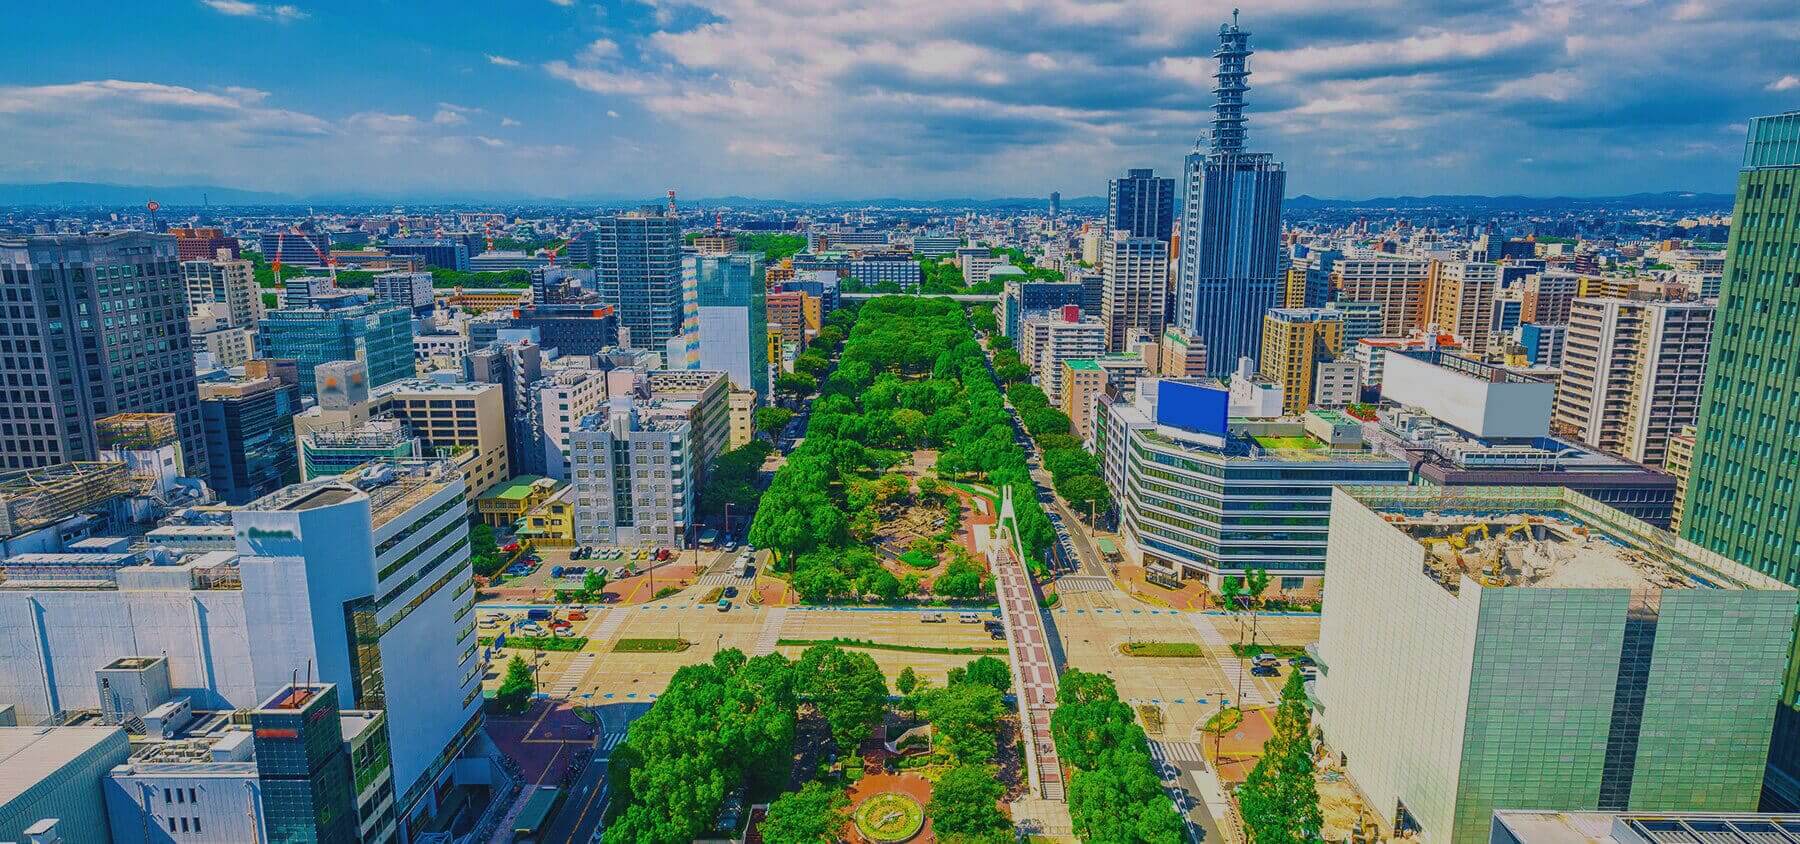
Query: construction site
{"type": "Point", "coordinates": [1532, 550]}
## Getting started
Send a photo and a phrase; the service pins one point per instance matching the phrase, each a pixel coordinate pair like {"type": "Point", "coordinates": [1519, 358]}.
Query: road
{"type": "Point", "coordinates": [578, 821]}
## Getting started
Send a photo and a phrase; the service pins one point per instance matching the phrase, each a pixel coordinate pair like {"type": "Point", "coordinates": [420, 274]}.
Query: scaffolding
{"type": "Point", "coordinates": [136, 431]}
{"type": "Point", "coordinates": [38, 497]}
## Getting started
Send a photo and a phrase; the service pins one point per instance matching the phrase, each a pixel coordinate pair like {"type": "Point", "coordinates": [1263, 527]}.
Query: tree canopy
{"type": "Point", "coordinates": [1280, 799]}
{"type": "Point", "coordinates": [1115, 794]}
{"type": "Point", "coordinates": [815, 813]}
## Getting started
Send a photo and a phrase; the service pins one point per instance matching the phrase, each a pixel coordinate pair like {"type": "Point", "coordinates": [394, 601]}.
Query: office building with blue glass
{"type": "Point", "coordinates": [377, 333]}
{"type": "Point", "coordinates": [1231, 226]}
{"type": "Point", "coordinates": [734, 319]}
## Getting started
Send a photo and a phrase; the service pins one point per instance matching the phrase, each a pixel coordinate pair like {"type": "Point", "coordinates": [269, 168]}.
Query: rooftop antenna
{"type": "Point", "coordinates": [672, 211]}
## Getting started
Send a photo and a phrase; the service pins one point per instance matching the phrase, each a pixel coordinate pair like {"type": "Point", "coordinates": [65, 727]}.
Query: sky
{"type": "Point", "coordinates": [815, 99]}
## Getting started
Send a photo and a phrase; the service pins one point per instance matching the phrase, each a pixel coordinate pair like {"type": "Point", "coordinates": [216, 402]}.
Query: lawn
{"type": "Point", "coordinates": [1280, 651]}
{"type": "Point", "coordinates": [651, 646]}
{"type": "Point", "coordinates": [1289, 443]}
{"type": "Point", "coordinates": [885, 646]}
{"type": "Point", "coordinates": [542, 643]}
{"type": "Point", "coordinates": [1184, 650]}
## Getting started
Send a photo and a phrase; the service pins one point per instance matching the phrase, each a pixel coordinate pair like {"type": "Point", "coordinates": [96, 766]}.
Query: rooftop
{"type": "Point", "coordinates": [1547, 538]}
{"type": "Point", "coordinates": [1682, 828]}
{"type": "Point", "coordinates": [30, 755]}
{"type": "Point", "coordinates": [517, 489]}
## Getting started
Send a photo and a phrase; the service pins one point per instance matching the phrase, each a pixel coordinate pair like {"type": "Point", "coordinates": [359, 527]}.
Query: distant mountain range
{"type": "Point", "coordinates": [90, 194]}
{"type": "Point", "coordinates": [1664, 199]}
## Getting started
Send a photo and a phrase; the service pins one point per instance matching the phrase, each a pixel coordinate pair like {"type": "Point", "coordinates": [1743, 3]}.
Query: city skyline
{"type": "Point", "coordinates": [567, 99]}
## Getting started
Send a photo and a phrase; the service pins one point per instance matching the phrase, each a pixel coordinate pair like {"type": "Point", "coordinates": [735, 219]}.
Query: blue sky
{"type": "Point", "coordinates": [921, 98]}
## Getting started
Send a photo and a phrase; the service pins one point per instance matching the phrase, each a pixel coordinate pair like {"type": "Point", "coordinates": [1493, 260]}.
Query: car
{"type": "Point", "coordinates": [1268, 659]}
{"type": "Point", "coordinates": [1309, 673]}
{"type": "Point", "coordinates": [1301, 661]}
{"type": "Point", "coordinates": [556, 571]}
{"type": "Point", "coordinates": [532, 628]}
{"type": "Point", "coordinates": [724, 604]}
{"type": "Point", "coordinates": [997, 635]}
{"type": "Point", "coordinates": [577, 615]}
{"type": "Point", "coordinates": [730, 545]}
{"type": "Point", "coordinates": [731, 591]}
{"type": "Point", "coordinates": [970, 618]}
{"type": "Point", "coordinates": [1264, 670]}
{"type": "Point", "coordinates": [749, 549]}
{"type": "Point", "coordinates": [933, 618]}
{"type": "Point", "coordinates": [663, 554]}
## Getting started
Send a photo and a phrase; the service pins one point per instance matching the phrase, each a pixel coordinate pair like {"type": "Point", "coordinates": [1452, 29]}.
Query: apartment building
{"type": "Point", "coordinates": [1632, 374]}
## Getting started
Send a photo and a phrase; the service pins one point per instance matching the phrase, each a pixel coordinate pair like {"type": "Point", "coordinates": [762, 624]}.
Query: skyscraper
{"type": "Point", "coordinates": [734, 319]}
{"type": "Point", "coordinates": [637, 264]}
{"type": "Point", "coordinates": [1141, 205]}
{"type": "Point", "coordinates": [98, 325]}
{"type": "Point", "coordinates": [1740, 498]}
{"type": "Point", "coordinates": [1231, 228]}
{"type": "Point", "coordinates": [1134, 295]}
{"type": "Point", "coordinates": [1632, 374]}
{"type": "Point", "coordinates": [376, 333]}
{"type": "Point", "coordinates": [1055, 203]}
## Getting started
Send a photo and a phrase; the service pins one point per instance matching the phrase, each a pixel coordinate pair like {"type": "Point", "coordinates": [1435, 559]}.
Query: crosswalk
{"type": "Point", "coordinates": [770, 634]}
{"type": "Point", "coordinates": [1078, 583]}
{"type": "Point", "coordinates": [1229, 664]}
{"type": "Point", "coordinates": [722, 578]}
{"type": "Point", "coordinates": [1175, 751]}
{"type": "Point", "coordinates": [615, 617]}
{"type": "Point", "coordinates": [570, 679]}
{"type": "Point", "coordinates": [610, 741]}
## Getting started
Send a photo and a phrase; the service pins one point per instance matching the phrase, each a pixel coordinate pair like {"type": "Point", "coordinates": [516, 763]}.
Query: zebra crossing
{"type": "Point", "coordinates": [609, 741]}
{"type": "Point", "coordinates": [570, 680]}
{"type": "Point", "coordinates": [1229, 664]}
{"type": "Point", "coordinates": [609, 625]}
{"type": "Point", "coordinates": [1165, 752]}
{"type": "Point", "coordinates": [1078, 583]}
{"type": "Point", "coordinates": [770, 634]}
{"type": "Point", "coordinates": [722, 578]}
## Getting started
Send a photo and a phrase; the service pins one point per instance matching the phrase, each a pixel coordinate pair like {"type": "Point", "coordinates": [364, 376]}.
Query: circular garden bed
{"type": "Point", "coordinates": [889, 818]}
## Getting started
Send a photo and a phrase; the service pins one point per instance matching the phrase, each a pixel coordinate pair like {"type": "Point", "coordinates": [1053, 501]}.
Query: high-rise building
{"type": "Point", "coordinates": [1134, 294]}
{"type": "Point", "coordinates": [1632, 373]}
{"type": "Point", "coordinates": [1527, 646]}
{"type": "Point", "coordinates": [409, 290]}
{"type": "Point", "coordinates": [1680, 464]}
{"type": "Point", "coordinates": [98, 326]}
{"type": "Point", "coordinates": [193, 243]}
{"type": "Point", "coordinates": [734, 318]}
{"type": "Point", "coordinates": [1047, 340]}
{"type": "Point", "coordinates": [224, 281]}
{"type": "Point", "coordinates": [1548, 295]}
{"type": "Point", "coordinates": [1055, 203]}
{"type": "Point", "coordinates": [570, 328]}
{"type": "Point", "coordinates": [1740, 498]}
{"type": "Point", "coordinates": [1141, 204]}
{"type": "Point", "coordinates": [1019, 298]}
{"type": "Point", "coordinates": [1294, 342]}
{"type": "Point", "coordinates": [1397, 285]}
{"type": "Point", "coordinates": [637, 265]}
{"type": "Point", "coordinates": [376, 333]}
{"type": "Point", "coordinates": [250, 433]}
{"type": "Point", "coordinates": [447, 253]}
{"type": "Point", "coordinates": [1465, 293]}
{"type": "Point", "coordinates": [1082, 383]}
{"type": "Point", "coordinates": [298, 248]}
{"type": "Point", "coordinates": [1180, 356]}
{"type": "Point", "coordinates": [456, 419]}
{"type": "Point", "coordinates": [514, 365]}
{"type": "Point", "coordinates": [557, 405]}
{"type": "Point", "coordinates": [1231, 228]}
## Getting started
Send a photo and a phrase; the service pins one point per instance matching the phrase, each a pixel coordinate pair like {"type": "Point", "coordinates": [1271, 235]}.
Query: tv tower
{"type": "Point", "coordinates": [1228, 109]}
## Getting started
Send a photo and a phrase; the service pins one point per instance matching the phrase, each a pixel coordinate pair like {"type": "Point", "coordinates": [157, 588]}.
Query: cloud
{"type": "Point", "coordinates": [239, 9]}
{"type": "Point", "coordinates": [492, 142]}
{"type": "Point", "coordinates": [502, 61]}
{"type": "Point", "coordinates": [612, 114]}
{"type": "Point", "coordinates": [564, 3]}
{"type": "Point", "coordinates": [507, 121]}
{"type": "Point", "coordinates": [1785, 83]}
{"type": "Point", "coordinates": [600, 49]}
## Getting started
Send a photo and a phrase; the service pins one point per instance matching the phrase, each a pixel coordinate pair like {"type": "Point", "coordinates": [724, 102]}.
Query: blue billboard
{"type": "Point", "coordinates": [1192, 407]}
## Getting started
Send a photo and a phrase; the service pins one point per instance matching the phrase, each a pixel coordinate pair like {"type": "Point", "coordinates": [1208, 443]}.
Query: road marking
{"type": "Point", "coordinates": [1229, 664]}
{"type": "Point", "coordinates": [572, 676]}
{"type": "Point", "coordinates": [1078, 583]}
{"type": "Point", "coordinates": [770, 634]}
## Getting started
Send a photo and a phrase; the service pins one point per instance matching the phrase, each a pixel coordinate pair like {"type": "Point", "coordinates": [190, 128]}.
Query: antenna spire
{"type": "Point", "coordinates": [1228, 108]}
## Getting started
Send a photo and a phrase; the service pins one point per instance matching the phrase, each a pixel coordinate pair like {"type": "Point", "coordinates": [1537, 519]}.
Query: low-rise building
{"type": "Point", "coordinates": [1490, 647]}
{"type": "Point", "coordinates": [1203, 495]}
{"type": "Point", "coordinates": [1082, 383]}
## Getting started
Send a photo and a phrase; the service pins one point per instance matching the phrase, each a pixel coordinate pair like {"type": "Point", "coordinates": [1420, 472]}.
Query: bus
{"type": "Point", "coordinates": [534, 819]}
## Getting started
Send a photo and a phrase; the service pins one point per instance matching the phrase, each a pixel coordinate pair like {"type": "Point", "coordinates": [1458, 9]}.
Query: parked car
{"type": "Point", "coordinates": [970, 618]}
{"type": "Point", "coordinates": [556, 571]}
{"type": "Point", "coordinates": [730, 545]}
{"type": "Point", "coordinates": [933, 618]}
{"type": "Point", "coordinates": [1301, 661]}
{"type": "Point", "coordinates": [997, 635]}
{"type": "Point", "coordinates": [578, 615]}
{"type": "Point", "coordinates": [538, 614]}
{"type": "Point", "coordinates": [1268, 659]}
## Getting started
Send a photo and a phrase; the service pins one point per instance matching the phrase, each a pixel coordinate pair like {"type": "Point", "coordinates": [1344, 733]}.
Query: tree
{"type": "Point", "coordinates": [1231, 589]}
{"type": "Point", "coordinates": [967, 717]}
{"type": "Point", "coordinates": [847, 688]}
{"type": "Point", "coordinates": [907, 681]}
{"type": "Point", "coordinates": [483, 554]}
{"type": "Point", "coordinates": [1280, 799]}
{"type": "Point", "coordinates": [593, 583]}
{"type": "Point", "coordinates": [965, 802]}
{"type": "Point", "coordinates": [1086, 493]}
{"type": "Point", "coordinates": [988, 671]}
{"type": "Point", "coordinates": [961, 579]}
{"type": "Point", "coordinates": [795, 384]}
{"type": "Point", "coordinates": [815, 813]}
{"type": "Point", "coordinates": [514, 694]}
{"type": "Point", "coordinates": [1256, 581]}
{"type": "Point", "coordinates": [771, 421]}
